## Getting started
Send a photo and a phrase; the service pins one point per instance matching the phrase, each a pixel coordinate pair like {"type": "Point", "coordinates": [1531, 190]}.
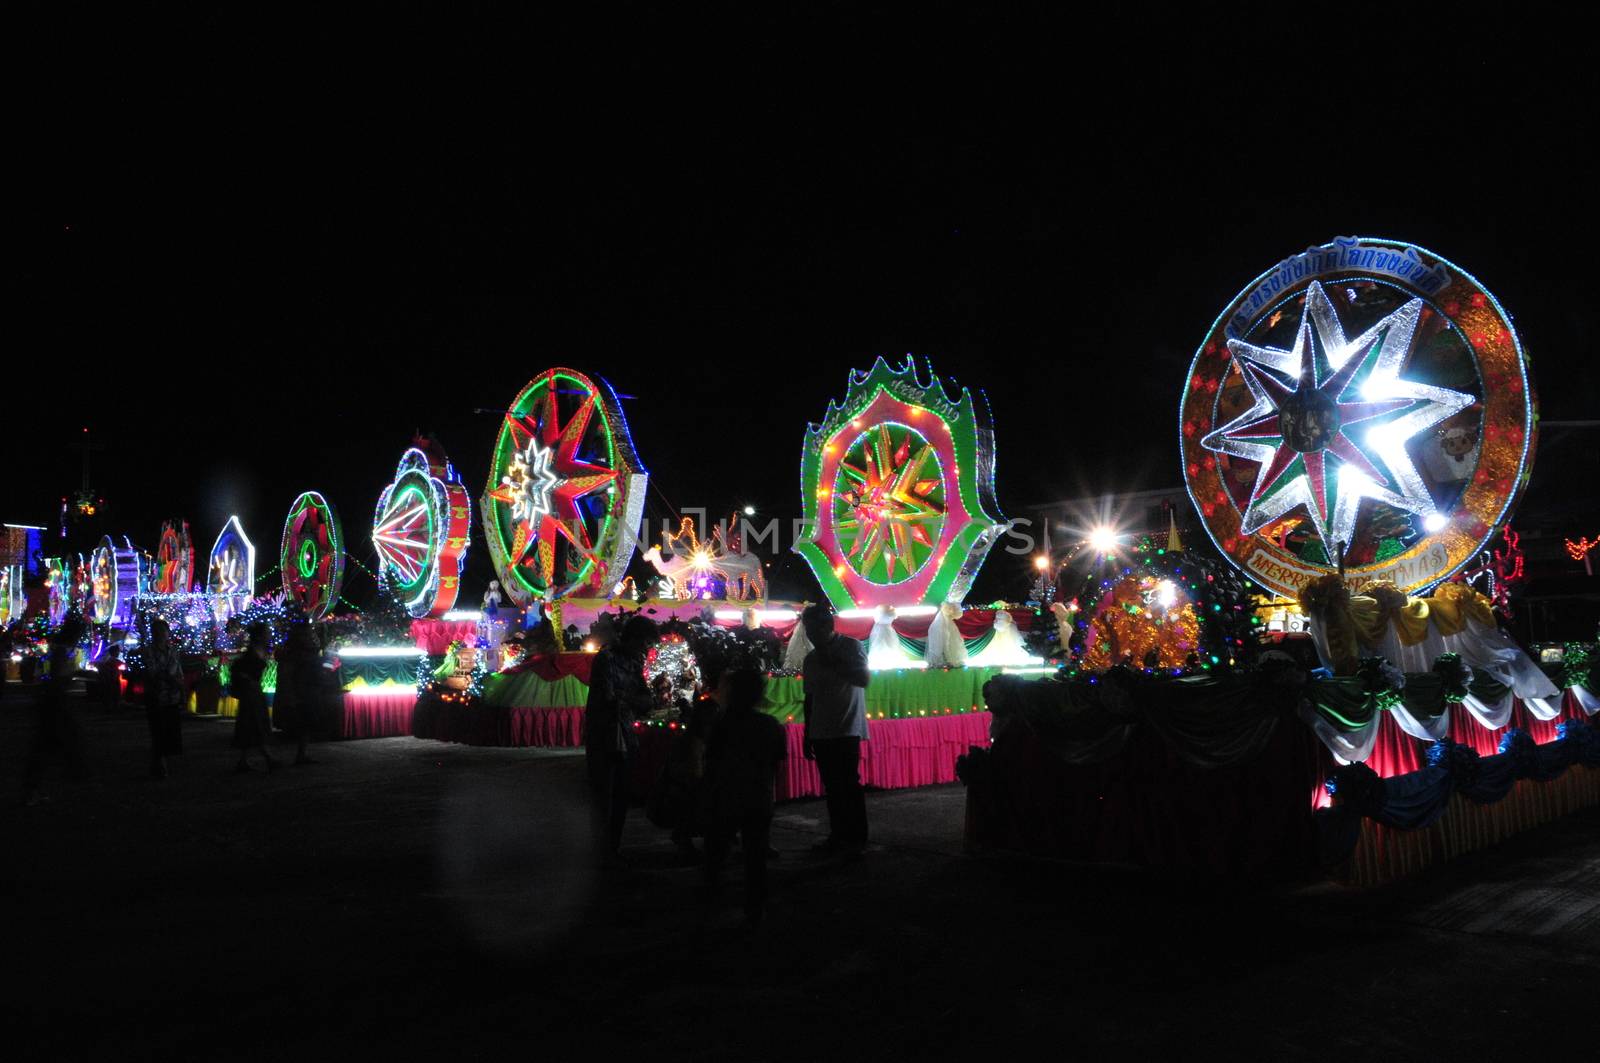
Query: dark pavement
{"type": "Point", "coordinates": [412, 899]}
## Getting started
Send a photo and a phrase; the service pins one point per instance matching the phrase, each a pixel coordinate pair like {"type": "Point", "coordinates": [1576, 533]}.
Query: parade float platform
{"type": "Point", "coordinates": [920, 720]}
{"type": "Point", "coordinates": [1222, 775]}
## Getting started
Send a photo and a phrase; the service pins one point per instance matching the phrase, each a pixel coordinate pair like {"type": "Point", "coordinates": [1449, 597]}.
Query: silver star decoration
{"type": "Point", "coordinates": [1357, 382]}
{"type": "Point", "coordinates": [529, 474]}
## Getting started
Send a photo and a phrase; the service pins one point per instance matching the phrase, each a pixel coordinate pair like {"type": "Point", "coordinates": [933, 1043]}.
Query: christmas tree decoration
{"type": "Point", "coordinates": [231, 570]}
{"type": "Point", "coordinates": [673, 660]}
{"type": "Point", "coordinates": [114, 574]}
{"type": "Point", "coordinates": [1313, 407]}
{"type": "Point", "coordinates": [174, 561]}
{"type": "Point", "coordinates": [566, 491]}
{"type": "Point", "coordinates": [311, 555]}
{"type": "Point", "coordinates": [897, 487]}
{"type": "Point", "coordinates": [1158, 611]}
{"type": "Point", "coordinates": [422, 529]}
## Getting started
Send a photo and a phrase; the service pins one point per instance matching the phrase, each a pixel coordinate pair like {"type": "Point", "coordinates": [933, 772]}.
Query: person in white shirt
{"type": "Point", "coordinates": [835, 684]}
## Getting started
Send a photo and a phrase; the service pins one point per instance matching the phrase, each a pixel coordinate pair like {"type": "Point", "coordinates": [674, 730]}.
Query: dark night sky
{"type": "Point", "coordinates": [258, 255]}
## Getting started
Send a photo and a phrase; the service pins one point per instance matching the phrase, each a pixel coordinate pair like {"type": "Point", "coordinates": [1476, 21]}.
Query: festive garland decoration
{"type": "Point", "coordinates": [311, 555]}
{"type": "Point", "coordinates": [422, 529]}
{"type": "Point", "coordinates": [174, 563]}
{"type": "Point", "coordinates": [897, 488]}
{"type": "Point", "coordinates": [231, 570]}
{"type": "Point", "coordinates": [1321, 389]}
{"type": "Point", "coordinates": [114, 572]}
{"type": "Point", "coordinates": [1158, 610]}
{"type": "Point", "coordinates": [566, 491]}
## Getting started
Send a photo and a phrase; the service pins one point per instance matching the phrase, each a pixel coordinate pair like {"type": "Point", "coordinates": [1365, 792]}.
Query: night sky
{"type": "Point", "coordinates": [257, 256]}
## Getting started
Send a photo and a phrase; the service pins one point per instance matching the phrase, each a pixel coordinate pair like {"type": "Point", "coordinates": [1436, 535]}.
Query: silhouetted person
{"type": "Point", "coordinates": [110, 669]}
{"type": "Point", "coordinates": [163, 697]}
{"type": "Point", "coordinates": [742, 757]}
{"type": "Point", "coordinates": [299, 696]}
{"type": "Point", "coordinates": [252, 728]}
{"type": "Point", "coordinates": [56, 729]}
{"type": "Point", "coordinates": [835, 684]}
{"type": "Point", "coordinates": [618, 697]}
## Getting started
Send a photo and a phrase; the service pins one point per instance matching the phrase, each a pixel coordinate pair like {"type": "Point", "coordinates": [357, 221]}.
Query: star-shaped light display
{"type": "Point", "coordinates": [1331, 420]}
{"type": "Point", "coordinates": [544, 482]}
{"type": "Point", "coordinates": [887, 504]}
{"type": "Point", "coordinates": [531, 480]}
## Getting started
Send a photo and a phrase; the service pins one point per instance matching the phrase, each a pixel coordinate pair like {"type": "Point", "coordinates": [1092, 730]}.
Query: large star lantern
{"type": "Point", "coordinates": [1331, 420]}
{"type": "Point", "coordinates": [544, 482]}
{"type": "Point", "coordinates": [889, 502]}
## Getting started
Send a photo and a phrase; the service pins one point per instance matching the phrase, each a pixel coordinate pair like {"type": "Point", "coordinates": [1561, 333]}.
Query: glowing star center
{"type": "Point", "coordinates": [531, 481]}
{"type": "Point", "coordinates": [1309, 419]}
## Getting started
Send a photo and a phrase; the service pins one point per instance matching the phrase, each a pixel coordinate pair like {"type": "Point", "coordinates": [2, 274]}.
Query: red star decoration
{"type": "Point", "coordinates": [576, 479]}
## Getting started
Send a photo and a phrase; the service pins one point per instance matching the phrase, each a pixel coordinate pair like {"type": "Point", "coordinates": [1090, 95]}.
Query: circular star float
{"type": "Point", "coordinates": [1362, 407]}
{"type": "Point", "coordinates": [311, 555]}
{"type": "Point", "coordinates": [174, 566]}
{"type": "Point", "coordinates": [897, 485]}
{"type": "Point", "coordinates": [422, 530]}
{"type": "Point", "coordinates": [566, 491]}
{"type": "Point", "coordinates": [114, 582]}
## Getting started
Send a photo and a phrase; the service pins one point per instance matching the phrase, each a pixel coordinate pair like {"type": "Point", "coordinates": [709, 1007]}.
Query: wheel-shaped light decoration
{"type": "Point", "coordinates": [311, 555]}
{"type": "Point", "coordinates": [114, 577]}
{"type": "Point", "coordinates": [231, 570]}
{"type": "Point", "coordinates": [566, 491]}
{"type": "Point", "coordinates": [1365, 403]}
{"type": "Point", "coordinates": [422, 529]}
{"type": "Point", "coordinates": [897, 485]}
{"type": "Point", "coordinates": [58, 585]}
{"type": "Point", "coordinates": [174, 565]}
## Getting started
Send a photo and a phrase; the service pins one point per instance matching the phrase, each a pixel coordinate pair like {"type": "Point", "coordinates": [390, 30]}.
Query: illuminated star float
{"type": "Point", "coordinates": [422, 530]}
{"type": "Point", "coordinates": [566, 490]}
{"type": "Point", "coordinates": [1331, 420]}
{"type": "Point", "coordinates": [174, 567]}
{"type": "Point", "coordinates": [897, 484]}
{"type": "Point", "coordinates": [311, 555]}
{"type": "Point", "coordinates": [231, 570]}
{"type": "Point", "coordinates": [114, 576]}
{"type": "Point", "coordinates": [1328, 418]}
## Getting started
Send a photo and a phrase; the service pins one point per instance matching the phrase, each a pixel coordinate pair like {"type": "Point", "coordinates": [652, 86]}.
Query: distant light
{"type": "Point", "coordinates": [1041, 562]}
{"type": "Point", "coordinates": [1103, 539]}
{"type": "Point", "coordinates": [1434, 522]}
{"type": "Point", "coordinates": [1166, 593]}
{"type": "Point", "coordinates": [749, 511]}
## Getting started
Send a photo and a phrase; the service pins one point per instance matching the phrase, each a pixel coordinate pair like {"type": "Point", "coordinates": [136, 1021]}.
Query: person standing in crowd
{"type": "Point", "coordinates": [110, 668]}
{"type": "Point", "coordinates": [618, 697]}
{"type": "Point", "coordinates": [55, 728]}
{"type": "Point", "coordinates": [299, 696]}
{"type": "Point", "coordinates": [163, 697]}
{"type": "Point", "coordinates": [742, 757]}
{"type": "Point", "coordinates": [252, 728]}
{"type": "Point", "coordinates": [835, 686]}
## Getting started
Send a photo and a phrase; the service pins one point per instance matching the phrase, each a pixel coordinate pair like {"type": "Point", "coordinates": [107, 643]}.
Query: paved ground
{"type": "Point", "coordinates": [408, 898]}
